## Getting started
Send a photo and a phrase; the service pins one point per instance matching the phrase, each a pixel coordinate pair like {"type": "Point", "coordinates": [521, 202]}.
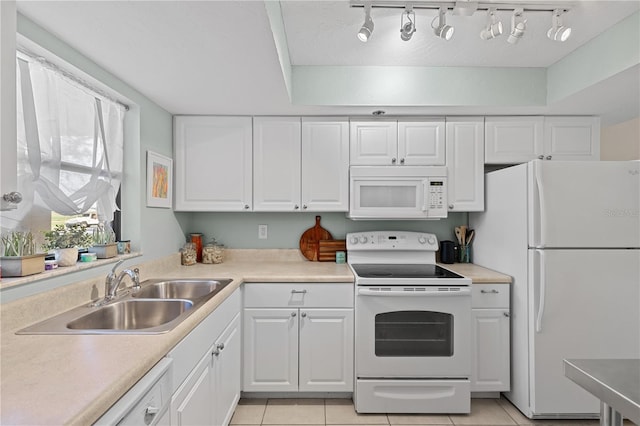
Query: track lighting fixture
{"type": "Point", "coordinates": [558, 32]}
{"type": "Point", "coordinates": [409, 27]}
{"type": "Point", "coordinates": [493, 28]}
{"type": "Point", "coordinates": [367, 27]}
{"type": "Point", "coordinates": [518, 26]}
{"type": "Point", "coordinates": [442, 30]}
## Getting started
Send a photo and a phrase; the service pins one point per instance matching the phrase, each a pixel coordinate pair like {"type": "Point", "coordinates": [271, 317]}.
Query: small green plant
{"type": "Point", "coordinates": [67, 237]}
{"type": "Point", "coordinates": [17, 243]}
{"type": "Point", "coordinates": [103, 234]}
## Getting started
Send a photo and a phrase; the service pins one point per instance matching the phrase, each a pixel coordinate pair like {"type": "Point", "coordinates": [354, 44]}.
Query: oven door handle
{"type": "Point", "coordinates": [402, 293]}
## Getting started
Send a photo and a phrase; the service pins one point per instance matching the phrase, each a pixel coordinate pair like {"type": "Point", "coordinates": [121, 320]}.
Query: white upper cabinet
{"type": "Point", "coordinates": [421, 143]}
{"type": "Point", "coordinates": [8, 145]}
{"type": "Point", "coordinates": [276, 163]}
{"type": "Point", "coordinates": [511, 140]}
{"type": "Point", "coordinates": [465, 164]}
{"type": "Point", "coordinates": [391, 142]}
{"type": "Point", "coordinates": [374, 143]}
{"type": "Point", "coordinates": [213, 163]}
{"type": "Point", "coordinates": [325, 164]}
{"type": "Point", "coordinates": [572, 138]}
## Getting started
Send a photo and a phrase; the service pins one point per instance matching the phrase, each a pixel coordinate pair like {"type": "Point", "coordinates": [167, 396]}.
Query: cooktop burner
{"type": "Point", "coordinates": [384, 270]}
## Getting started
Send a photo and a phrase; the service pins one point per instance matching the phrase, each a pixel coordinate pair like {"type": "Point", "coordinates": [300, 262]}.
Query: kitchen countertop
{"type": "Point", "coordinates": [74, 379]}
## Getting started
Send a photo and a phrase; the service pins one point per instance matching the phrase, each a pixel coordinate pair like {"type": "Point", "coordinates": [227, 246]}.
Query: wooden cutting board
{"type": "Point", "coordinates": [309, 241]}
{"type": "Point", "coordinates": [327, 249]}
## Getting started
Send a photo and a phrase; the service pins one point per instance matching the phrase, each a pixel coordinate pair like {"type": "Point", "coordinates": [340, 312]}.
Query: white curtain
{"type": "Point", "coordinates": [70, 143]}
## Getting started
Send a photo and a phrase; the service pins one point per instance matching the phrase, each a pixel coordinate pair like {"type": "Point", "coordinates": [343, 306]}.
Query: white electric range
{"type": "Point", "coordinates": [412, 326]}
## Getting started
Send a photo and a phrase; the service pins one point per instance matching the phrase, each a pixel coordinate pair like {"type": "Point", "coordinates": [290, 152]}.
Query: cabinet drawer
{"type": "Point", "coordinates": [279, 295]}
{"type": "Point", "coordinates": [490, 296]}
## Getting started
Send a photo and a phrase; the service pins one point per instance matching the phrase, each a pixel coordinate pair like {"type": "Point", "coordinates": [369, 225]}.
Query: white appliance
{"type": "Point", "coordinates": [412, 326]}
{"type": "Point", "coordinates": [569, 235]}
{"type": "Point", "coordinates": [402, 192]}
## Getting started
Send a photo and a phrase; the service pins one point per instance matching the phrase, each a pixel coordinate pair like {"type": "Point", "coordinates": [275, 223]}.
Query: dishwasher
{"type": "Point", "coordinates": [146, 403]}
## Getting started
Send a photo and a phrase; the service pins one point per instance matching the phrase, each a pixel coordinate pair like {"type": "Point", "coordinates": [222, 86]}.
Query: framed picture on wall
{"type": "Point", "coordinates": [159, 180]}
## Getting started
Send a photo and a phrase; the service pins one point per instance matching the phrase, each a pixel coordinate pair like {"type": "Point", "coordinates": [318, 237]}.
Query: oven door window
{"type": "Point", "coordinates": [414, 334]}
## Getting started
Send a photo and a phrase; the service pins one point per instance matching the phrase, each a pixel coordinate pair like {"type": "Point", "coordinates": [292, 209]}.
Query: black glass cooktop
{"type": "Point", "coordinates": [386, 270]}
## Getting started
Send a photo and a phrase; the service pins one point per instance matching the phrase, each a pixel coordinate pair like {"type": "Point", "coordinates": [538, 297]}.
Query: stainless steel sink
{"type": "Point", "coordinates": [132, 315]}
{"type": "Point", "coordinates": [158, 307]}
{"type": "Point", "coordinates": [180, 289]}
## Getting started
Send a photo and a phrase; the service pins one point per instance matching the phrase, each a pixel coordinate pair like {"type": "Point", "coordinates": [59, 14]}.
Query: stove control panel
{"type": "Point", "coordinates": [392, 240]}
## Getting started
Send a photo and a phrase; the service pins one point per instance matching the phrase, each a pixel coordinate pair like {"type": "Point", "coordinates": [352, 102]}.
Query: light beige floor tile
{"type": "Point", "coordinates": [341, 412]}
{"type": "Point", "coordinates": [483, 412]}
{"type": "Point", "coordinates": [294, 412]}
{"type": "Point", "coordinates": [249, 412]}
{"type": "Point", "coordinates": [419, 419]}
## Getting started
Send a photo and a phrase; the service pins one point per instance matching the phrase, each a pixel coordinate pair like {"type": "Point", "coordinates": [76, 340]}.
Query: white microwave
{"type": "Point", "coordinates": [402, 192]}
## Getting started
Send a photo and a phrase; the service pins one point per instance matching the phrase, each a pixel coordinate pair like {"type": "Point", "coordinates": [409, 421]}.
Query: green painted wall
{"type": "Point", "coordinates": [240, 230]}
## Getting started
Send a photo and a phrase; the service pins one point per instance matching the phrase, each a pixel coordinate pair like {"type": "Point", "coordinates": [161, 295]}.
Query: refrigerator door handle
{"type": "Point", "coordinates": [541, 206]}
{"type": "Point", "coordinates": [541, 290]}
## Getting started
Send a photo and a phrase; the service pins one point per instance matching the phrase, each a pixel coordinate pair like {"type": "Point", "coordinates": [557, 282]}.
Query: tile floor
{"type": "Point", "coordinates": [485, 412]}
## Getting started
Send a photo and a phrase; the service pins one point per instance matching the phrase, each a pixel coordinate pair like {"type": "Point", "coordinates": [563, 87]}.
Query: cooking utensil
{"type": "Point", "coordinates": [310, 239]}
{"type": "Point", "coordinates": [458, 235]}
{"type": "Point", "coordinates": [470, 236]}
{"type": "Point", "coordinates": [463, 234]}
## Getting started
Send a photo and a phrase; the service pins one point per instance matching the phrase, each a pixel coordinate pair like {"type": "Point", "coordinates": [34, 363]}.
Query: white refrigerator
{"type": "Point", "coordinates": [569, 235]}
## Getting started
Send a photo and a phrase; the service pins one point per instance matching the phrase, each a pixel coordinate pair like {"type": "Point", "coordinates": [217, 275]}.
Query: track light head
{"type": "Point", "coordinates": [367, 27]}
{"type": "Point", "coordinates": [493, 28]}
{"type": "Point", "coordinates": [558, 32]}
{"type": "Point", "coordinates": [442, 30]}
{"type": "Point", "coordinates": [409, 27]}
{"type": "Point", "coordinates": [518, 26]}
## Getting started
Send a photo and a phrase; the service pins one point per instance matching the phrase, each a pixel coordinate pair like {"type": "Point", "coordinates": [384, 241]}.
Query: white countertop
{"type": "Point", "coordinates": [74, 379]}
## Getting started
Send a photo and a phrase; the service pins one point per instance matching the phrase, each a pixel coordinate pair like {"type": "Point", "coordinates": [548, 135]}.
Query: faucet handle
{"type": "Point", "coordinates": [118, 263]}
{"type": "Point", "coordinates": [136, 279]}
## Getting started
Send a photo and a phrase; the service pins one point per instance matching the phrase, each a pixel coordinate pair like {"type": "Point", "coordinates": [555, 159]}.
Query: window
{"type": "Point", "coordinates": [70, 150]}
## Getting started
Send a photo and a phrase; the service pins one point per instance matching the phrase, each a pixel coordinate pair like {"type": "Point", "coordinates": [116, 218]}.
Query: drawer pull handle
{"type": "Point", "coordinates": [298, 291]}
{"type": "Point", "coordinates": [151, 411]}
{"type": "Point", "coordinates": [493, 291]}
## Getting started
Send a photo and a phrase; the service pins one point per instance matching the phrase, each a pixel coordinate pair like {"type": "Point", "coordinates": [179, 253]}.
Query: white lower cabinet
{"type": "Point", "coordinates": [298, 337]}
{"type": "Point", "coordinates": [490, 338]}
{"type": "Point", "coordinates": [206, 375]}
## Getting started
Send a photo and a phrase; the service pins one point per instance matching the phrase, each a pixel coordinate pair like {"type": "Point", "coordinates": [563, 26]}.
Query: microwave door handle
{"type": "Point", "coordinates": [424, 196]}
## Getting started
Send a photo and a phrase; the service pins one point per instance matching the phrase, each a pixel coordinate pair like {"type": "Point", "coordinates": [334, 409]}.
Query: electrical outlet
{"type": "Point", "coordinates": [263, 232]}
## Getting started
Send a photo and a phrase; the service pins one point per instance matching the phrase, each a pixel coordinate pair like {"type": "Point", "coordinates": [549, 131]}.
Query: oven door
{"type": "Point", "coordinates": [413, 332]}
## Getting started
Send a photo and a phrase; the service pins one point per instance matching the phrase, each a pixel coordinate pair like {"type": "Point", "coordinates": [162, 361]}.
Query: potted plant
{"type": "Point", "coordinates": [19, 257]}
{"type": "Point", "coordinates": [104, 242]}
{"type": "Point", "coordinates": [65, 241]}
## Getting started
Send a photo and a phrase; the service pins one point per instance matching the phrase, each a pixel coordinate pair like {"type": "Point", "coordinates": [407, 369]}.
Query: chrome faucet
{"type": "Point", "coordinates": [113, 281]}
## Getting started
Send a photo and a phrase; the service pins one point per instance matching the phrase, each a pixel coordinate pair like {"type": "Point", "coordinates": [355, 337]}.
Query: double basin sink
{"type": "Point", "coordinates": [157, 307]}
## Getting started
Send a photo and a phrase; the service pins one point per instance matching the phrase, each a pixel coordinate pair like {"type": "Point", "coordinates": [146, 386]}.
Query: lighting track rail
{"type": "Point", "coordinates": [452, 5]}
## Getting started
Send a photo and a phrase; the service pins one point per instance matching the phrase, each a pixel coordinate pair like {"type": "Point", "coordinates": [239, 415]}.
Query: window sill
{"type": "Point", "coordinates": [80, 266]}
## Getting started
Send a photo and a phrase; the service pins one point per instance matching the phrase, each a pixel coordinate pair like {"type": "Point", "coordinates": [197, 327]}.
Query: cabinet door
{"type": "Point", "coordinates": [8, 131]}
{"type": "Point", "coordinates": [192, 404]}
{"type": "Point", "coordinates": [326, 350]}
{"type": "Point", "coordinates": [512, 140]}
{"type": "Point", "coordinates": [490, 339]}
{"type": "Point", "coordinates": [373, 143]}
{"type": "Point", "coordinates": [421, 143]}
{"type": "Point", "coordinates": [213, 163]}
{"type": "Point", "coordinates": [270, 350]}
{"type": "Point", "coordinates": [465, 164]}
{"type": "Point", "coordinates": [325, 164]}
{"type": "Point", "coordinates": [276, 163]}
{"type": "Point", "coordinates": [572, 138]}
{"type": "Point", "coordinates": [226, 388]}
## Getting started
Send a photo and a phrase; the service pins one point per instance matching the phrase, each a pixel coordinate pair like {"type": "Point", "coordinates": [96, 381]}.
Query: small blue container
{"type": "Point", "coordinates": [341, 257]}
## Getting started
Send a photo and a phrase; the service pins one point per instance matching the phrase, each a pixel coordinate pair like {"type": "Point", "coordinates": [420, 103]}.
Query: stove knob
{"type": "Point", "coordinates": [432, 240]}
{"type": "Point", "coordinates": [363, 239]}
{"type": "Point", "coordinates": [354, 240]}
{"type": "Point", "coordinates": [422, 240]}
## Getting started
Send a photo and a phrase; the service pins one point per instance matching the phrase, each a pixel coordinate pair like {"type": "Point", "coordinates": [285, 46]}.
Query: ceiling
{"type": "Point", "coordinates": [220, 57]}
